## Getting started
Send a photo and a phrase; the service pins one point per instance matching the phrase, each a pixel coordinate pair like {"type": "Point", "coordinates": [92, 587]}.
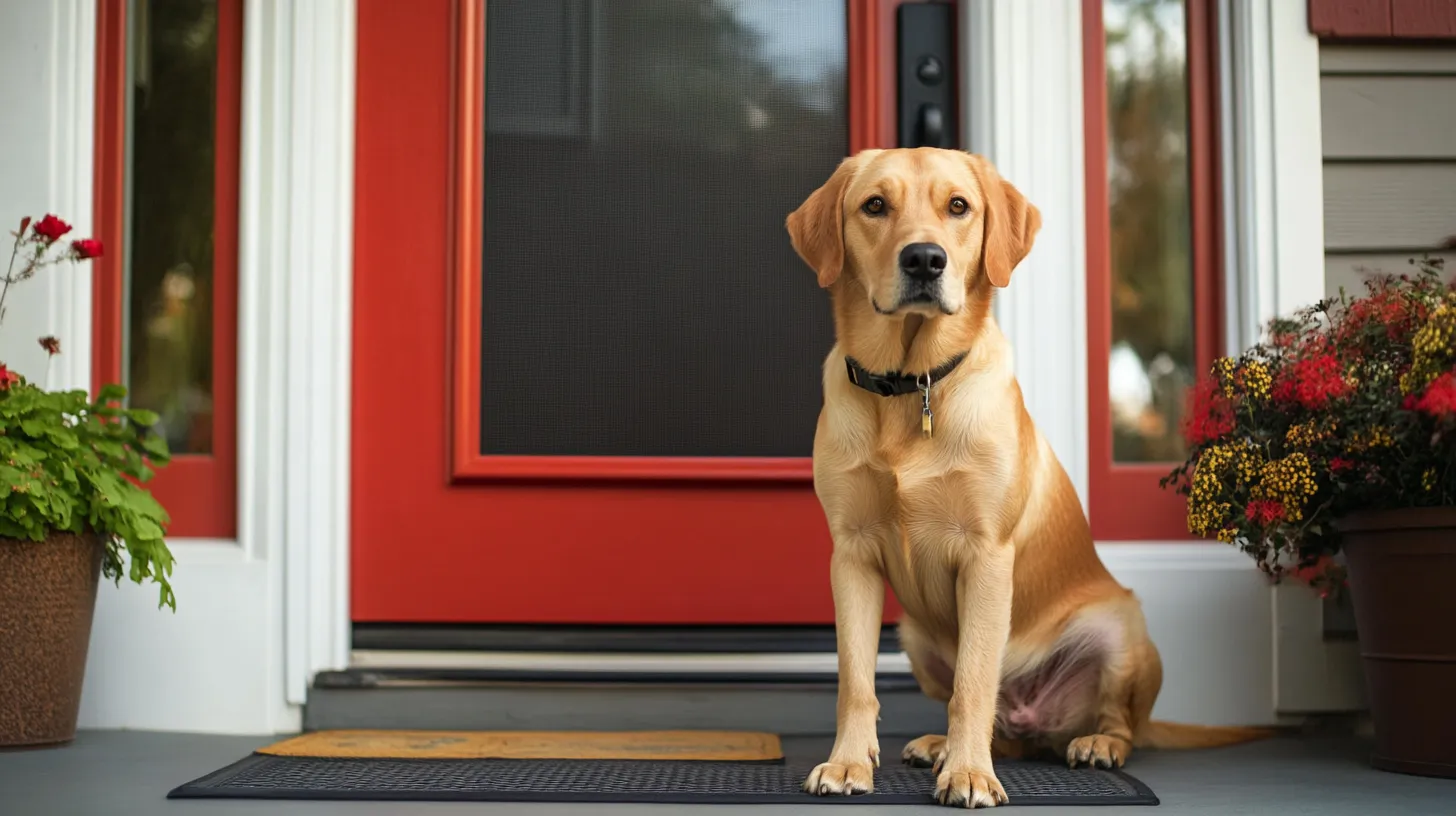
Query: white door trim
{"type": "Point", "coordinates": [1272, 148]}
{"type": "Point", "coordinates": [72, 159]}
{"type": "Point", "coordinates": [1022, 108]}
{"type": "Point", "coordinates": [298, 207]}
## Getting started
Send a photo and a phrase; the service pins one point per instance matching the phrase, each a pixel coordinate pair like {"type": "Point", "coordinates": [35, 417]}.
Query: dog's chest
{"type": "Point", "coordinates": [948, 491]}
{"type": "Point", "coordinates": [937, 524]}
{"type": "Point", "coordinates": [952, 476]}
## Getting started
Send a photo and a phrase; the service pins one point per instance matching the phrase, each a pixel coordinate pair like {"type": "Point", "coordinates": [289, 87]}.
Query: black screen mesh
{"type": "Point", "coordinates": [640, 297]}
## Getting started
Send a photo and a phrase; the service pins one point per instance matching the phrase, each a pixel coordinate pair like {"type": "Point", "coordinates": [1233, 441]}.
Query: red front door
{"type": "Point", "coordinates": [586, 360]}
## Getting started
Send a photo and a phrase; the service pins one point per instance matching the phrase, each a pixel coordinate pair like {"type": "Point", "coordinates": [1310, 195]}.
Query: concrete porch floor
{"type": "Point", "coordinates": [108, 773]}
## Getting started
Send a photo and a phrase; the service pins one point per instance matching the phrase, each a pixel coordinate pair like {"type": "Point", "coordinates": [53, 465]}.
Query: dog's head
{"type": "Point", "coordinates": [914, 230]}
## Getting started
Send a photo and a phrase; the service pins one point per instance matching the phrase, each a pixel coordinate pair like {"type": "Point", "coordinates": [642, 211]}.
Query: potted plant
{"type": "Point", "coordinates": [1337, 434]}
{"type": "Point", "coordinates": [71, 508]}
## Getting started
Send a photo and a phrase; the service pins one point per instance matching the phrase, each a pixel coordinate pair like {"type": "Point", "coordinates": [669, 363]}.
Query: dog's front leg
{"type": "Point", "coordinates": [983, 602]}
{"type": "Point", "coordinates": [859, 600]}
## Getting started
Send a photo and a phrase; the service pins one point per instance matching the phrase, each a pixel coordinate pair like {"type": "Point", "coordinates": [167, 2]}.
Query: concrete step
{"type": "Point", "coordinates": [790, 705]}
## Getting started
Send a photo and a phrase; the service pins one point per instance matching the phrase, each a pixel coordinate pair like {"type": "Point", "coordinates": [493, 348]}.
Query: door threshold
{"type": "Point", "coordinates": [612, 665]}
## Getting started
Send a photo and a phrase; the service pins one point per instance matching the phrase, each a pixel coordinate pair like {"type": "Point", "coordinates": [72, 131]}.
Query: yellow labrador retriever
{"type": "Point", "coordinates": [933, 478]}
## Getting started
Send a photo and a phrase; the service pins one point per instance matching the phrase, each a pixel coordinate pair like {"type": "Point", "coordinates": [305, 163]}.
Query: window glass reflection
{"type": "Point", "coordinates": [1152, 356]}
{"type": "Point", "coordinates": [171, 141]}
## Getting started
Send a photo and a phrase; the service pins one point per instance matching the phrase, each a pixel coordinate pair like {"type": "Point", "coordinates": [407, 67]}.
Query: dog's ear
{"type": "Point", "coordinates": [1011, 223]}
{"type": "Point", "coordinates": [816, 228]}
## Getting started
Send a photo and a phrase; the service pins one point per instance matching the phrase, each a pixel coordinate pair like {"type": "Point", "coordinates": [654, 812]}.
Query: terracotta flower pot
{"type": "Point", "coordinates": [1402, 573]}
{"type": "Point", "coordinates": [47, 597]}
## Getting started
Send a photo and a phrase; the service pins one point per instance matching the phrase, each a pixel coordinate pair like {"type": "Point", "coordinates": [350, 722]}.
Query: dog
{"type": "Point", "coordinates": [933, 478]}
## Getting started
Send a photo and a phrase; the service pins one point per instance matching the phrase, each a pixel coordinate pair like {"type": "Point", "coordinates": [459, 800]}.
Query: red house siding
{"type": "Point", "coordinates": [1383, 19]}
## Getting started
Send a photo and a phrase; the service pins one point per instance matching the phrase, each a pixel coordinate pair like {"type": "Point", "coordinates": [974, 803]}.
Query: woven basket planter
{"type": "Point", "coordinates": [47, 597]}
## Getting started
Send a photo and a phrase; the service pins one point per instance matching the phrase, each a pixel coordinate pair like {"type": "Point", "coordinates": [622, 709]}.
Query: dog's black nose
{"type": "Point", "coordinates": [922, 261]}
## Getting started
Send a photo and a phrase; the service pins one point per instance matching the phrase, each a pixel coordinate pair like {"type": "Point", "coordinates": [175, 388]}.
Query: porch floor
{"type": "Point", "coordinates": [114, 773]}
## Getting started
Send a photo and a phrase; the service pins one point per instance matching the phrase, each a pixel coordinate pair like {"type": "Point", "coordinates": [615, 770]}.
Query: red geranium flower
{"type": "Point", "coordinates": [85, 248]}
{"type": "Point", "coordinates": [52, 345]}
{"type": "Point", "coordinates": [1385, 307]}
{"type": "Point", "coordinates": [1320, 574]}
{"type": "Point", "coordinates": [1210, 416]}
{"type": "Point", "coordinates": [7, 378]}
{"type": "Point", "coordinates": [1312, 382]}
{"type": "Point", "coordinates": [1340, 464]}
{"type": "Point", "coordinates": [1439, 400]}
{"type": "Point", "coordinates": [1283, 339]}
{"type": "Point", "coordinates": [51, 228]}
{"type": "Point", "coordinates": [1264, 511]}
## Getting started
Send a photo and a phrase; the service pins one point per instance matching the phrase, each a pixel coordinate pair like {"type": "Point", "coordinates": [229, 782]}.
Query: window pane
{"type": "Point", "coordinates": [1152, 357]}
{"type": "Point", "coordinates": [172, 61]}
{"type": "Point", "coordinates": [640, 296]}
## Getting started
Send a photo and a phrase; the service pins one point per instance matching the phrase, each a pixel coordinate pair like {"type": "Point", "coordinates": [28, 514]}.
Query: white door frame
{"type": "Point", "coordinates": [279, 594]}
{"type": "Point", "coordinates": [1023, 88]}
{"type": "Point", "coordinates": [298, 235]}
{"type": "Point", "coordinates": [259, 615]}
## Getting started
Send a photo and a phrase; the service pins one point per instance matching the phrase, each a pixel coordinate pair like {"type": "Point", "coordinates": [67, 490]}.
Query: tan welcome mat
{"type": "Point", "coordinates": [718, 746]}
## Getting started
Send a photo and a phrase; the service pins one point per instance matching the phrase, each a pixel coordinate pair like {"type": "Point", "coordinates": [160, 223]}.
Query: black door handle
{"type": "Point", "coordinates": [930, 129]}
{"type": "Point", "coordinates": [926, 104]}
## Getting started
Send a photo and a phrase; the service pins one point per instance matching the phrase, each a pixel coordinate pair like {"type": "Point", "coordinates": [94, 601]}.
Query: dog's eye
{"type": "Point", "coordinates": [874, 206]}
{"type": "Point", "coordinates": [958, 206]}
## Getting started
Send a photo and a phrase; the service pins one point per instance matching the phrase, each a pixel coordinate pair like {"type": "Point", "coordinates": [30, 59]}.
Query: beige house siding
{"type": "Point", "coordinates": [1389, 133]}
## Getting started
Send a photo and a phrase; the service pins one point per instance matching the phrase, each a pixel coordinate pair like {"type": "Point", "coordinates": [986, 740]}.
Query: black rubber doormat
{"type": "Point", "coordinates": [658, 782]}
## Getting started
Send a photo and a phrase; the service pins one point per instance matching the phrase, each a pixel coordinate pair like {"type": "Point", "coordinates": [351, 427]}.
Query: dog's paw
{"type": "Point", "coordinates": [834, 779]}
{"type": "Point", "coordinates": [1098, 751]}
{"type": "Point", "coordinates": [925, 752]}
{"type": "Point", "coordinates": [969, 788]}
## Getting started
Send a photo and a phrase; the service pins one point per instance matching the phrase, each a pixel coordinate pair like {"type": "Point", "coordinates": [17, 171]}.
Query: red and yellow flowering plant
{"type": "Point", "coordinates": [1348, 405]}
{"type": "Point", "coordinates": [72, 464]}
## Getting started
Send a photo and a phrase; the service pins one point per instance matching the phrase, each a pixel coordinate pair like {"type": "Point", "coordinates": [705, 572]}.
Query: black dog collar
{"type": "Point", "coordinates": [895, 383]}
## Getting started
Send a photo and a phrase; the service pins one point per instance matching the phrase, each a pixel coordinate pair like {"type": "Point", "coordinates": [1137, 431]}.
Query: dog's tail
{"type": "Point", "coordinates": [1159, 734]}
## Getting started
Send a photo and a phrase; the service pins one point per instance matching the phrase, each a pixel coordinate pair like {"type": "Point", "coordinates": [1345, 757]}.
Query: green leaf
{"type": "Point", "coordinates": [110, 448]}
{"type": "Point", "coordinates": [155, 446]}
{"type": "Point", "coordinates": [142, 416]}
{"type": "Point", "coordinates": [64, 438]}
{"type": "Point", "coordinates": [111, 393]}
{"type": "Point", "coordinates": [145, 528]}
{"type": "Point", "coordinates": [10, 528]}
{"type": "Point", "coordinates": [34, 427]}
